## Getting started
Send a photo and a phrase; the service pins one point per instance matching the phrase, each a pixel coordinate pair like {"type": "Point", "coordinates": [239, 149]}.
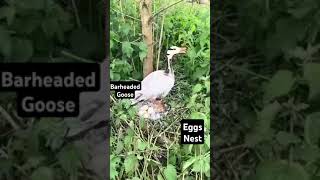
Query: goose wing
{"type": "Point", "coordinates": [156, 84]}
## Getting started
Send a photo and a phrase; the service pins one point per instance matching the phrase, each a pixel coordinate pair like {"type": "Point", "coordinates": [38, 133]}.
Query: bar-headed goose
{"type": "Point", "coordinates": [158, 83]}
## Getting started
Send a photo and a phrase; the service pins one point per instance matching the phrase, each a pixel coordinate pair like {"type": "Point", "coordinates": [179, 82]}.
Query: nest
{"type": "Point", "coordinates": [152, 109]}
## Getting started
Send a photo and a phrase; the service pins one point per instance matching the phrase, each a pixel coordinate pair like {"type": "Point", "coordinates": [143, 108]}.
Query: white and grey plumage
{"type": "Point", "coordinates": [159, 83]}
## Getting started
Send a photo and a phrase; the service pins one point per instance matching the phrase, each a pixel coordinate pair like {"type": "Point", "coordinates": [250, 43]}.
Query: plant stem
{"type": "Point", "coordinates": [163, 9]}
{"type": "Point", "coordinates": [75, 57]}
{"type": "Point", "coordinates": [7, 117]}
{"type": "Point", "coordinates": [249, 72]}
{"type": "Point", "coordinates": [76, 14]}
{"type": "Point", "coordinates": [293, 117]}
{"type": "Point", "coordinates": [160, 41]}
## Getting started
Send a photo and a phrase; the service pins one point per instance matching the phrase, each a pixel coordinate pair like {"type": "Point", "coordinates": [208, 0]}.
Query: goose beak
{"type": "Point", "coordinates": [183, 50]}
{"type": "Point", "coordinates": [177, 50]}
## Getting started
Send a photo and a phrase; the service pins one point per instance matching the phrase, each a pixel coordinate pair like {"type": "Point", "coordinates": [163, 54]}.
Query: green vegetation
{"type": "Point", "coordinates": [51, 31]}
{"type": "Point", "coordinates": [267, 90]}
{"type": "Point", "coordinates": [45, 31]}
{"type": "Point", "coordinates": [144, 149]}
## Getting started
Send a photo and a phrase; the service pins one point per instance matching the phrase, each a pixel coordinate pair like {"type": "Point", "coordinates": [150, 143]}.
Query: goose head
{"type": "Point", "coordinates": [173, 50]}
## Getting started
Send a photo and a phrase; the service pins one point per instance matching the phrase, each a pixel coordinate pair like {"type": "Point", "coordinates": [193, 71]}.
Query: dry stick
{"type": "Point", "coordinates": [235, 174]}
{"type": "Point", "coordinates": [7, 117]}
{"type": "Point", "coordinates": [75, 57]}
{"type": "Point", "coordinates": [74, 6]}
{"type": "Point", "coordinates": [249, 72]}
{"type": "Point", "coordinates": [240, 157]}
{"type": "Point", "coordinates": [228, 149]}
{"type": "Point", "coordinates": [292, 119]}
{"type": "Point", "coordinates": [125, 15]}
{"type": "Point", "coordinates": [160, 40]}
{"type": "Point", "coordinates": [121, 9]}
{"type": "Point", "coordinates": [161, 10]}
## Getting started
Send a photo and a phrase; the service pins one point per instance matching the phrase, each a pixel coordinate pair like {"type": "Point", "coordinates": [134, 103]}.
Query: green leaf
{"type": "Point", "coordinates": [142, 54]}
{"type": "Point", "coordinates": [197, 88]}
{"type": "Point", "coordinates": [311, 130]}
{"type": "Point", "coordinates": [70, 159]}
{"type": "Point", "coordinates": [8, 13]}
{"type": "Point", "coordinates": [5, 166]}
{"type": "Point", "coordinates": [34, 161]}
{"type": "Point", "coordinates": [22, 50]}
{"type": "Point", "coordinates": [170, 172]}
{"type": "Point", "coordinates": [130, 163]}
{"type": "Point", "coordinates": [311, 74]}
{"type": "Point", "coordinates": [31, 4]}
{"type": "Point", "coordinates": [42, 173]}
{"type": "Point", "coordinates": [279, 85]}
{"type": "Point", "coordinates": [207, 140]}
{"type": "Point", "coordinates": [119, 147]}
{"type": "Point", "coordinates": [113, 166]}
{"type": "Point", "coordinates": [142, 145]}
{"type": "Point", "coordinates": [125, 28]}
{"type": "Point", "coordinates": [143, 50]}
{"type": "Point", "coordinates": [5, 42]}
{"type": "Point", "coordinates": [307, 153]}
{"type": "Point", "coordinates": [188, 163]}
{"type": "Point", "coordinates": [302, 9]}
{"type": "Point", "coordinates": [159, 177]}
{"type": "Point", "coordinates": [262, 128]}
{"type": "Point", "coordinates": [50, 26]}
{"type": "Point", "coordinates": [285, 138]}
{"type": "Point", "coordinates": [288, 32]}
{"type": "Point", "coordinates": [280, 170]}
{"type": "Point", "coordinates": [127, 49]}
{"type": "Point", "coordinates": [202, 164]}
{"type": "Point", "coordinates": [83, 43]}
{"type": "Point", "coordinates": [198, 115]}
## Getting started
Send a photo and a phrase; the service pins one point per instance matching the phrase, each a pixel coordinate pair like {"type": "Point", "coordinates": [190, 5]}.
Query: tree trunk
{"type": "Point", "coordinates": [146, 23]}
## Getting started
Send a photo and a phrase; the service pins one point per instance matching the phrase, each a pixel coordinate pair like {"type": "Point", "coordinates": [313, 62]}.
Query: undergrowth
{"type": "Point", "coordinates": [267, 90]}
{"type": "Point", "coordinates": [45, 31]}
{"type": "Point", "coordinates": [145, 149]}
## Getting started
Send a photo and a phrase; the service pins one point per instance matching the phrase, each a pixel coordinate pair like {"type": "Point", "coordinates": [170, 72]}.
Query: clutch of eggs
{"type": "Point", "coordinates": [153, 110]}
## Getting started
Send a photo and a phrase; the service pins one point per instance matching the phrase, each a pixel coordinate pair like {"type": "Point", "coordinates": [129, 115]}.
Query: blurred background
{"type": "Point", "coordinates": [144, 149]}
{"type": "Point", "coordinates": [47, 31]}
{"type": "Point", "coordinates": [266, 90]}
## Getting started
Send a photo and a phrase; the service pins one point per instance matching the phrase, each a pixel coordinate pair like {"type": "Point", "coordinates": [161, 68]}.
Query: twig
{"type": "Point", "coordinates": [228, 149]}
{"type": "Point", "coordinates": [75, 57]}
{"type": "Point", "coordinates": [131, 17]}
{"type": "Point", "coordinates": [6, 116]}
{"type": "Point", "coordinates": [235, 174]}
{"type": "Point", "coordinates": [163, 9]}
{"type": "Point", "coordinates": [249, 72]}
{"type": "Point", "coordinates": [160, 40]}
{"type": "Point", "coordinates": [240, 157]}
{"type": "Point", "coordinates": [74, 6]}
{"type": "Point", "coordinates": [121, 10]}
{"type": "Point", "coordinates": [113, 99]}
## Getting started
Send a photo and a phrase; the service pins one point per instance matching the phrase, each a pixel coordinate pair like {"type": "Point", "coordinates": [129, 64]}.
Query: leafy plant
{"type": "Point", "coordinates": [45, 31]}
{"type": "Point", "coordinates": [271, 75]}
{"type": "Point", "coordinates": [140, 148]}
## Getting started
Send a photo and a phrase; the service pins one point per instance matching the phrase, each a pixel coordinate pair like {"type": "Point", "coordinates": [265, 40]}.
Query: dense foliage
{"type": "Point", "coordinates": [51, 31]}
{"type": "Point", "coordinates": [267, 90]}
{"type": "Point", "coordinates": [143, 149]}
{"type": "Point", "coordinates": [45, 31]}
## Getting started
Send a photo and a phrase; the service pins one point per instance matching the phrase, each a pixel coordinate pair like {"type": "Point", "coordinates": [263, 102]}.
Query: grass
{"type": "Point", "coordinates": [250, 76]}
{"type": "Point", "coordinates": [162, 138]}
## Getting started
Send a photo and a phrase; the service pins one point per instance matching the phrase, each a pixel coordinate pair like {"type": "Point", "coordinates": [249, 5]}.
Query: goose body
{"type": "Point", "coordinates": [159, 83]}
